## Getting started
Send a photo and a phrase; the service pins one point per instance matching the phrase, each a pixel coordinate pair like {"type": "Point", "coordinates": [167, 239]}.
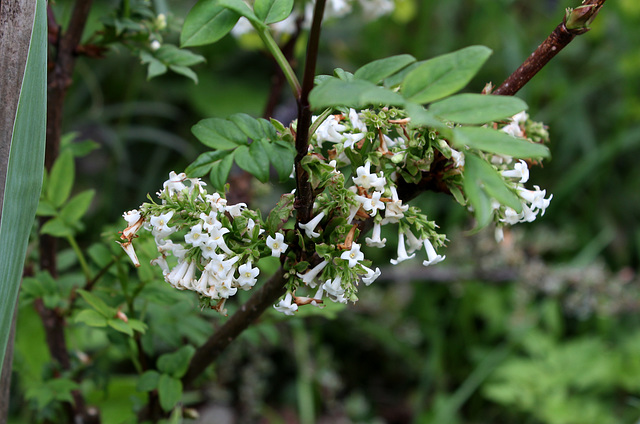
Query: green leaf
{"type": "Point", "coordinates": [173, 55]}
{"type": "Point", "coordinates": [57, 227]}
{"type": "Point", "coordinates": [203, 164]}
{"type": "Point", "coordinates": [473, 189]}
{"type": "Point", "coordinates": [498, 142]}
{"type": "Point", "coordinates": [272, 11]}
{"type": "Point", "coordinates": [444, 75]}
{"type": "Point", "coordinates": [176, 363]}
{"type": "Point", "coordinates": [219, 134]}
{"type": "Point", "coordinates": [280, 214]}
{"type": "Point", "coordinates": [120, 326]}
{"type": "Point", "coordinates": [356, 94]}
{"type": "Point", "coordinates": [77, 206]}
{"type": "Point", "coordinates": [137, 325]}
{"type": "Point", "coordinates": [281, 155]}
{"type": "Point", "coordinates": [82, 148]}
{"type": "Point", "coordinates": [482, 182]}
{"type": "Point", "coordinates": [248, 125]}
{"type": "Point", "coordinates": [241, 8]}
{"type": "Point", "coordinates": [477, 108]}
{"type": "Point", "coordinates": [220, 172]}
{"type": "Point", "coordinates": [148, 381]}
{"type": "Point", "coordinates": [155, 69]}
{"type": "Point", "coordinates": [254, 160]}
{"type": "Point", "coordinates": [98, 304]}
{"type": "Point", "coordinates": [91, 318]}
{"type": "Point", "coordinates": [380, 69]}
{"type": "Point", "coordinates": [207, 22]}
{"type": "Point", "coordinates": [61, 179]}
{"type": "Point", "coordinates": [45, 208]}
{"type": "Point", "coordinates": [184, 71]}
{"type": "Point", "coordinates": [169, 391]}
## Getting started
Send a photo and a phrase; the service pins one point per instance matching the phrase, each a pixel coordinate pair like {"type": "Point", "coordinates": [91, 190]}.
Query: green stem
{"type": "Point", "coordinates": [280, 59]}
{"type": "Point", "coordinates": [81, 259]}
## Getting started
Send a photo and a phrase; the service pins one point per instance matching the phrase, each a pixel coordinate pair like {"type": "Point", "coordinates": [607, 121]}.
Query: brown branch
{"type": "Point", "coordinates": [304, 192]}
{"type": "Point", "coordinates": [575, 22]}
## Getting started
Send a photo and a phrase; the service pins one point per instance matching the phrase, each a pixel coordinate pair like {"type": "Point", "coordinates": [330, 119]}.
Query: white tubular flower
{"type": "Point", "coordinates": [221, 267]}
{"type": "Point", "coordinates": [330, 130]}
{"type": "Point", "coordinates": [535, 198]}
{"type": "Point", "coordinates": [187, 280]}
{"type": "Point", "coordinates": [356, 122]}
{"type": "Point", "coordinates": [175, 183]}
{"type": "Point", "coordinates": [520, 170]}
{"type": "Point", "coordinates": [402, 250]}
{"type": "Point", "coordinates": [129, 250]}
{"type": "Point", "coordinates": [317, 298]}
{"type": "Point", "coordinates": [499, 234]}
{"type": "Point", "coordinates": [206, 280]}
{"type": "Point", "coordinates": [353, 256]}
{"type": "Point", "coordinates": [371, 275]}
{"type": "Point", "coordinates": [209, 248]}
{"type": "Point", "coordinates": [432, 256]}
{"type": "Point", "coordinates": [196, 237]}
{"type": "Point", "coordinates": [286, 306]}
{"type": "Point", "coordinates": [177, 274]}
{"type": "Point", "coordinates": [251, 225]}
{"type": "Point", "coordinates": [309, 227]}
{"type": "Point", "coordinates": [224, 289]}
{"type": "Point", "coordinates": [372, 204]}
{"type": "Point", "coordinates": [528, 214]}
{"type": "Point", "coordinates": [216, 235]}
{"type": "Point", "coordinates": [513, 129]}
{"type": "Point", "coordinates": [413, 242]}
{"type": "Point", "coordinates": [458, 158]}
{"type": "Point", "coordinates": [334, 290]}
{"type": "Point", "coordinates": [160, 224]}
{"type": "Point", "coordinates": [236, 210]}
{"type": "Point", "coordinates": [247, 276]}
{"type": "Point", "coordinates": [277, 245]}
{"type": "Point", "coordinates": [351, 139]}
{"type": "Point", "coordinates": [210, 221]}
{"type": "Point", "coordinates": [394, 210]}
{"type": "Point", "coordinates": [216, 201]}
{"type": "Point", "coordinates": [132, 217]}
{"type": "Point", "coordinates": [511, 217]}
{"type": "Point", "coordinates": [364, 176]}
{"type": "Point", "coordinates": [161, 261]}
{"type": "Point", "coordinates": [520, 118]}
{"type": "Point", "coordinates": [309, 277]}
{"type": "Point", "coordinates": [374, 240]}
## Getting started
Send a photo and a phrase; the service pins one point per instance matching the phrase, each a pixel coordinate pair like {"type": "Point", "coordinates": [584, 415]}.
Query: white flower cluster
{"type": "Point", "coordinates": [334, 9]}
{"type": "Point", "coordinates": [516, 174]}
{"type": "Point", "coordinates": [204, 262]}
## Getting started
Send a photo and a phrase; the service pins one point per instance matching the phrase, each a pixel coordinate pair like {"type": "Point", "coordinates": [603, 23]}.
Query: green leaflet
{"type": "Point", "coordinates": [444, 75]}
{"type": "Point", "coordinates": [356, 93]}
{"type": "Point", "coordinates": [380, 69]}
{"type": "Point", "coordinates": [272, 11]}
{"type": "Point", "coordinates": [477, 108]}
{"type": "Point", "coordinates": [24, 172]}
{"type": "Point", "coordinates": [207, 22]}
{"type": "Point", "coordinates": [499, 142]}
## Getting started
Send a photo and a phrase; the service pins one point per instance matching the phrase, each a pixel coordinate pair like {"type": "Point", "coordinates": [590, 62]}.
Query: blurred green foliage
{"type": "Point", "coordinates": [542, 330]}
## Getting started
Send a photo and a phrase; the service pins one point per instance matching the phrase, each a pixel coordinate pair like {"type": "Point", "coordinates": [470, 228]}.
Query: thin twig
{"type": "Point", "coordinates": [575, 23]}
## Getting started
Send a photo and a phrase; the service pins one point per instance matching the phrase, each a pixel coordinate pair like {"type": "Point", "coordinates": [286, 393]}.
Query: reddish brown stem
{"type": "Point", "coordinates": [556, 41]}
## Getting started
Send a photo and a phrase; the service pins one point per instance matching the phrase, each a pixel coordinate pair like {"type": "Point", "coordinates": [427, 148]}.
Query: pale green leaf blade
{"type": "Point", "coordinates": [75, 209]}
{"type": "Point", "coordinates": [61, 178]}
{"type": "Point", "coordinates": [24, 172]}
{"type": "Point", "coordinates": [477, 108]}
{"type": "Point", "coordinates": [479, 200]}
{"type": "Point", "coordinates": [380, 69]}
{"type": "Point", "coordinates": [498, 142]}
{"type": "Point", "coordinates": [207, 22]}
{"type": "Point", "coordinates": [444, 75]}
{"type": "Point", "coordinates": [220, 172]}
{"type": "Point", "coordinates": [272, 11]}
{"type": "Point", "coordinates": [254, 160]}
{"type": "Point", "coordinates": [169, 391]}
{"type": "Point", "coordinates": [219, 134]}
{"type": "Point", "coordinates": [356, 94]}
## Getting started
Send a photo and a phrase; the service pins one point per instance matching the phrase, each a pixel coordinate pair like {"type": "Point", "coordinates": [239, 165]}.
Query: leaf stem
{"type": "Point", "coordinates": [279, 57]}
{"type": "Point", "coordinates": [81, 259]}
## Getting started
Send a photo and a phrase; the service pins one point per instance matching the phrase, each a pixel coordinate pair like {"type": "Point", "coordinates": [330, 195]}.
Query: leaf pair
{"type": "Point", "coordinates": [210, 20]}
{"type": "Point", "coordinates": [252, 143]}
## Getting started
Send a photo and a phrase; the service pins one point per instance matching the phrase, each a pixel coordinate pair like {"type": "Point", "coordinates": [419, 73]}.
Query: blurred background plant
{"type": "Point", "coordinates": [541, 329]}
